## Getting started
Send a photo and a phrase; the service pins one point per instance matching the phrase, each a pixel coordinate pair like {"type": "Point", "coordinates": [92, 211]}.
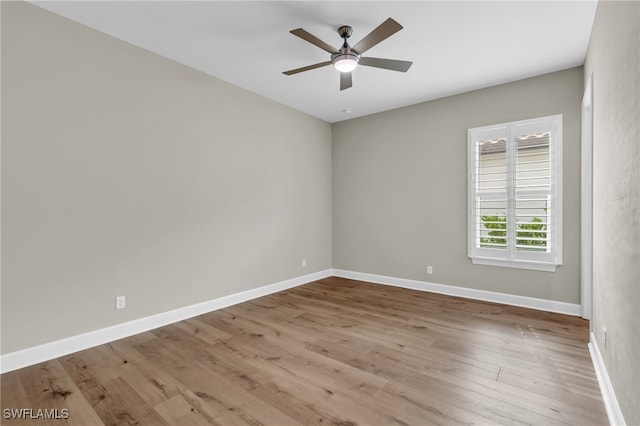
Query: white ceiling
{"type": "Point", "coordinates": [455, 46]}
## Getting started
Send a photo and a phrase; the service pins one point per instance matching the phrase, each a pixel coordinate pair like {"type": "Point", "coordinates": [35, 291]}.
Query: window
{"type": "Point", "coordinates": [515, 194]}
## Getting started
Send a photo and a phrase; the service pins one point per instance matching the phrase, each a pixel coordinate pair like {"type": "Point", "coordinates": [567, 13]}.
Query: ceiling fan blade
{"type": "Point", "coordinates": [307, 68]}
{"type": "Point", "coordinates": [345, 80]}
{"type": "Point", "coordinates": [307, 36]}
{"type": "Point", "coordinates": [387, 64]}
{"type": "Point", "coordinates": [383, 31]}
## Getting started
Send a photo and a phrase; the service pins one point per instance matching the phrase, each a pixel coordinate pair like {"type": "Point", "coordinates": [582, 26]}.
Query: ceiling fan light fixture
{"type": "Point", "coordinates": [345, 62]}
{"type": "Point", "coordinates": [346, 59]}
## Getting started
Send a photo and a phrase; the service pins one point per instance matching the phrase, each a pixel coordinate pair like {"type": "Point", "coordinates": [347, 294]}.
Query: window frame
{"type": "Point", "coordinates": [510, 257]}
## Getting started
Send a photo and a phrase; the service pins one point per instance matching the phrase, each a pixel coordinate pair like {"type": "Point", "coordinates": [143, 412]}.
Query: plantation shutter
{"type": "Point", "coordinates": [514, 194]}
{"type": "Point", "coordinates": [490, 177]}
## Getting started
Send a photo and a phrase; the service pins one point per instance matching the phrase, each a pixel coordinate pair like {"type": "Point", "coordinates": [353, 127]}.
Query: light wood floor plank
{"type": "Point", "coordinates": [333, 352]}
{"type": "Point", "coordinates": [48, 387]}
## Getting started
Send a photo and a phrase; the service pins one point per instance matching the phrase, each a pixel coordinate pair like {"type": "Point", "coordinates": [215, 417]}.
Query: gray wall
{"type": "Point", "coordinates": [614, 61]}
{"type": "Point", "coordinates": [400, 188]}
{"type": "Point", "coordinates": [124, 173]}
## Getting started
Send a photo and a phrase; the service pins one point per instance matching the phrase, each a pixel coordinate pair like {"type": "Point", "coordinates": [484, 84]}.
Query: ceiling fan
{"type": "Point", "coordinates": [347, 58]}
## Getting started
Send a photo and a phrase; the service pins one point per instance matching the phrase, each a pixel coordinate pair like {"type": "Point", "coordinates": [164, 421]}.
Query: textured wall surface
{"type": "Point", "coordinates": [613, 61]}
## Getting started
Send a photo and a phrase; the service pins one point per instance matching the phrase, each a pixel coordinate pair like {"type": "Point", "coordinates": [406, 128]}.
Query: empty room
{"type": "Point", "coordinates": [320, 213]}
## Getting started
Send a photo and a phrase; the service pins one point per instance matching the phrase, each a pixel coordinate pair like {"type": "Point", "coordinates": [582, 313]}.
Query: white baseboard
{"type": "Point", "coordinates": [34, 355]}
{"type": "Point", "coordinates": [488, 296]}
{"type": "Point", "coordinates": [614, 413]}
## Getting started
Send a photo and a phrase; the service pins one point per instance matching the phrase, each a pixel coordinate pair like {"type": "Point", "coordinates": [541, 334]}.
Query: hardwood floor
{"type": "Point", "coordinates": [333, 352]}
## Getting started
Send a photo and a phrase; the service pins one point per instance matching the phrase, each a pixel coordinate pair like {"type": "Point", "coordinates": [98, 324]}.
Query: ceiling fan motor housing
{"type": "Point", "coordinates": [346, 59]}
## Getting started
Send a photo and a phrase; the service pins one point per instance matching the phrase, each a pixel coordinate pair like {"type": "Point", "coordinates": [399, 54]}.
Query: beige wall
{"type": "Point", "coordinates": [400, 188]}
{"type": "Point", "coordinates": [614, 61]}
{"type": "Point", "coordinates": [124, 173]}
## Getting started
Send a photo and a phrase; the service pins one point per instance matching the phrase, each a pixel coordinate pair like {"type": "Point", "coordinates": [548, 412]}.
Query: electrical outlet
{"type": "Point", "coordinates": [304, 263]}
{"type": "Point", "coordinates": [120, 302]}
{"type": "Point", "coordinates": [429, 270]}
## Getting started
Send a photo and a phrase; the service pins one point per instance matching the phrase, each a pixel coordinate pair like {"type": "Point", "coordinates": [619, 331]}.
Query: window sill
{"type": "Point", "coordinates": [518, 264]}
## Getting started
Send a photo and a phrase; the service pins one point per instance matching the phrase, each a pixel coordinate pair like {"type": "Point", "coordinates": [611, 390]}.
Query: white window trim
{"type": "Point", "coordinates": [479, 256]}
{"type": "Point", "coordinates": [519, 264]}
